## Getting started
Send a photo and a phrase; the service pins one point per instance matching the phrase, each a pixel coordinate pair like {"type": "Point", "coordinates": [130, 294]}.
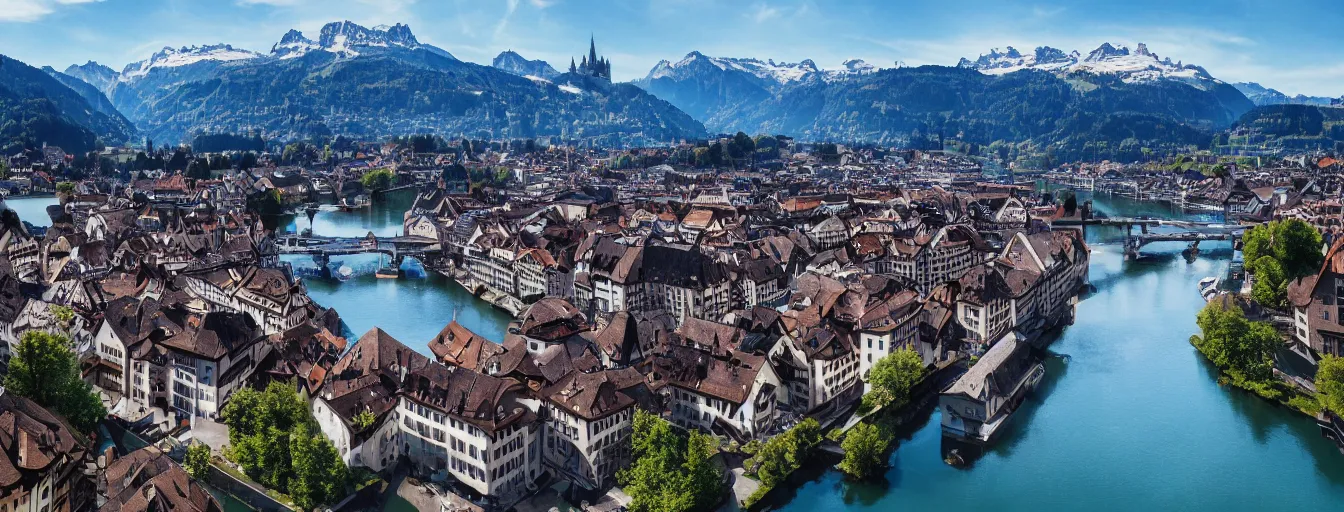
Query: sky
{"type": "Point", "coordinates": [1295, 46]}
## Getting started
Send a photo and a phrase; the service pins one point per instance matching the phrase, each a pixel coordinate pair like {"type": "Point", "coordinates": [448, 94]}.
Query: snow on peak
{"type": "Point", "coordinates": [186, 55]}
{"type": "Point", "coordinates": [858, 66]}
{"type": "Point", "coordinates": [347, 39]}
{"type": "Point", "coordinates": [292, 45]}
{"type": "Point", "coordinates": [769, 70]}
{"type": "Point", "coordinates": [1138, 65]}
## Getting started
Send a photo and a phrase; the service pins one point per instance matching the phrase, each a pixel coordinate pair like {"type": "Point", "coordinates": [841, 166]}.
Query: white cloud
{"type": "Point", "coordinates": [23, 11]}
{"type": "Point", "coordinates": [511, 6]}
{"type": "Point", "coordinates": [762, 12]}
{"type": "Point", "coordinates": [542, 4]}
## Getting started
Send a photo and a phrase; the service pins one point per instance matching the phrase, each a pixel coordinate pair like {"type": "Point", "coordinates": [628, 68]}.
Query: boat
{"type": "Point", "coordinates": [1208, 288]}
{"type": "Point", "coordinates": [347, 205]}
{"type": "Point", "coordinates": [345, 273]}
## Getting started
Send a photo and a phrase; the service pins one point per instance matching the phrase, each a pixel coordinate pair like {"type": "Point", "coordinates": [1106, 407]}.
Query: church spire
{"type": "Point", "coordinates": [592, 50]}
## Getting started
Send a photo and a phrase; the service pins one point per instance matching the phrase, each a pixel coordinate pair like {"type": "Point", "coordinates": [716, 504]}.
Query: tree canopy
{"type": "Point", "coordinates": [197, 460]}
{"type": "Point", "coordinates": [1293, 243]}
{"type": "Point", "coordinates": [783, 454]}
{"type": "Point", "coordinates": [892, 378]}
{"type": "Point", "coordinates": [275, 439]}
{"type": "Point", "coordinates": [1236, 344]}
{"type": "Point", "coordinates": [378, 179]}
{"type": "Point", "coordinates": [864, 445]}
{"type": "Point", "coordinates": [45, 370]}
{"type": "Point", "coordinates": [1330, 383]}
{"type": "Point", "coordinates": [670, 472]}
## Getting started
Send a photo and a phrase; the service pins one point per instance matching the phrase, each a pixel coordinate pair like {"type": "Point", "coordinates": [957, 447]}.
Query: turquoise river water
{"type": "Point", "coordinates": [1128, 418]}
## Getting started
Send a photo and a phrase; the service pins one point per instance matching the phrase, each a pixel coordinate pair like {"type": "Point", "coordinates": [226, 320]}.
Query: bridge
{"type": "Point", "coordinates": [1193, 232]}
{"type": "Point", "coordinates": [322, 248]}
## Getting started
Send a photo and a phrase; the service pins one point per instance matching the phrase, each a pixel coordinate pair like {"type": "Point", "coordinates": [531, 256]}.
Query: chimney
{"type": "Point", "coordinates": [23, 446]}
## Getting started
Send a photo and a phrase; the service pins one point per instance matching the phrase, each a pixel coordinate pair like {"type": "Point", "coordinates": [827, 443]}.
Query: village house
{"type": "Point", "coordinates": [44, 462]}
{"type": "Point", "coordinates": [730, 393]}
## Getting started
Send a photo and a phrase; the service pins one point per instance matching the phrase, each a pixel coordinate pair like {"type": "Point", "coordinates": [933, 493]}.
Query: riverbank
{"type": "Point", "coordinates": [1124, 392]}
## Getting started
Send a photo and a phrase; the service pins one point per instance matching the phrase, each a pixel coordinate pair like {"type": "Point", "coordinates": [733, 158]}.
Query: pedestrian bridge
{"type": "Point", "coordinates": [1191, 232]}
{"type": "Point", "coordinates": [322, 248]}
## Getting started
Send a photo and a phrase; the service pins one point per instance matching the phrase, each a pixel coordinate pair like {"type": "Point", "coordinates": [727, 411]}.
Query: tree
{"type": "Point", "coordinates": [892, 378]}
{"type": "Point", "coordinates": [276, 441]}
{"type": "Point", "coordinates": [1270, 288]}
{"type": "Point", "coordinates": [248, 161]}
{"type": "Point", "coordinates": [65, 187]}
{"type": "Point", "coordinates": [377, 179]}
{"type": "Point", "coordinates": [319, 474]}
{"type": "Point", "coordinates": [1330, 383]}
{"type": "Point", "coordinates": [1295, 244]}
{"type": "Point", "coordinates": [864, 447]}
{"type": "Point", "coordinates": [783, 454]}
{"type": "Point", "coordinates": [670, 472]}
{"type": "Point", "coordinates": [45, 370]}
{"type": "Point", "coordinates": [197, 460]}
{"type": "Point", "coordinates": [1235, 344]}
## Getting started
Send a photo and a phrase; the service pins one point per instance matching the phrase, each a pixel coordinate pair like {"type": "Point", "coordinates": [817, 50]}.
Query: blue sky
{"type": "Point", "coordinates": [1296, 46]}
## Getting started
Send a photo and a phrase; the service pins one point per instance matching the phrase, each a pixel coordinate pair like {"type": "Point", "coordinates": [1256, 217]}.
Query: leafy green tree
{"type": "Point", "coordinates": [275, 439]}
{"type": "Point", "coordinates": [1236, 344]}
{"type": "Point", "coordinates": [45, 370]}
{"type": "Point", "coordinates": [783, 454]}
{"type": "Point", "coordinates": [864, 446]}
{"type": "Point", "coordinates": [197, 460]}
{"type": "Point", "coordinates": [1330, 383]}
{"type": "Point", "coordinates": [1256, 243]}
{"type": "Point", "coordinates": [892, 378]}
{"type": "Point", "coordinates": [377, 179]}
{"type": "Point", "coordinates": [670, 472]}
{"type": "Point", "coordinates": [319, 474]}
{"type": "Point", "coordinates": [1295, 244]}
{"type": "Point", "coordinates": [1270, 288]}
{"type": "Point", "coordinates": [65, 187]}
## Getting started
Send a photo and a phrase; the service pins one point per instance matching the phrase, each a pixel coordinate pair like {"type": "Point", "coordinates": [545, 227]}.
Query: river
{"type": "Point", "coordinates": [32, 210]}
{"type": "Point", "coordinates": [412, 309]}
{"type": "Point", "coordinates": [1132, 419]}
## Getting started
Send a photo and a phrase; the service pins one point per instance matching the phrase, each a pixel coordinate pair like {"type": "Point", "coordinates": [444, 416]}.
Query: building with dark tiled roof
{"type": "Point", "coordinates": [43, 467]}
{"type": "Point", "coordinates": [147, 480]}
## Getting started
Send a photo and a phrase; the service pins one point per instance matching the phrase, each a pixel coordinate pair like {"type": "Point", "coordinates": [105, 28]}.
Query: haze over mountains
{"type": "Point", "coordinates": [373, 82]}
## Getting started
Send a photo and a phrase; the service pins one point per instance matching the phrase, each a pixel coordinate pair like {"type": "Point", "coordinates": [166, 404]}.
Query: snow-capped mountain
{"type": "Point", "coordinates": [186, 55]}
{"type": "Point", "coordinates": [510, 61]}
{"type": "Point", "coordinates": [293, 45]}
{"type": "Point", "coordinates": [849, 69]}
{"type": "Point", "coordinates": [1138, 65]}
{"type": "Point", "coordinates": [694, 62]}
{"type": "Point", "coordinates": [347, 39]}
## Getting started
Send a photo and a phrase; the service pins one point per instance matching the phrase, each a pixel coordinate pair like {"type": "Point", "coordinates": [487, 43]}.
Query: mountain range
{"type": "Point", "coordinates": [1262, 96]}
{"type": "Point", "coordinates": [370, 82]}
{"type": "Point", "coordinates": [40, 106]}
{"type": "Point", "coordinates": [1051, 98]}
